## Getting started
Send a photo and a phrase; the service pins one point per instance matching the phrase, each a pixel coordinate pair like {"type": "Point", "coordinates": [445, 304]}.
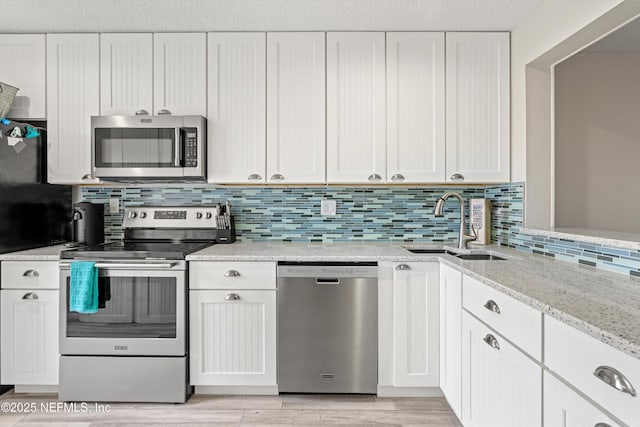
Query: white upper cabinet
{"type": "Point", "coordinates": [295, 107]}
{"type": "Point", "coordinates": [180, 73]}
{"type": "Point", "coordinates": [356, 107]}
{"type": "Point", "coordinates": [237, 108]}
{"type": "Point", "coordinates": [415, 107]}
{"type": "Point", "coordinates": [126, 64]}
{"type": "Point", "coordinates": [23, 66]}
{"type": "Point", "coordinates": [73, 96]}
{"type": "Point", "coordinates": [477, 84]}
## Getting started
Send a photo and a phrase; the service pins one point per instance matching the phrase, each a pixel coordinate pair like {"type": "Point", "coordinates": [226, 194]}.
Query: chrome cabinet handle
{"type": "Point", "coordinates": [403, 267]}
{"type": "Point", "coordinates": [232, 297]}
{"type": "Point", "coordinates": [142, 113]}
{"type": "Point", "coordinates": [492, 306]}
{"type": "Point", "coordinates": [164, 112]}
{"type": "Point", "coordinates": [615, 379]}
{"type": "Point", "coordinates": [232, 273]}
{"type": "Point", "coordinates": [602, 425]}
{"type": "Point", "coordinates": [254, 177]}
{"type": "Point", "coordinates": [30, 273]}
{"type": "Point", "coordinates": [374, 177]}
{"type": "Point", "coordinates": [87, 176]}
{"type": "Point", "coordinates": [397, 177]}
{"type": "Point", "coordinates": [492, 341]}
{"type": "Point", "coordinates": [457, 177]}
{"type": "Point", "coordinates": [277, 177]}
{"type": "Point", "coordinates": [30, 295]}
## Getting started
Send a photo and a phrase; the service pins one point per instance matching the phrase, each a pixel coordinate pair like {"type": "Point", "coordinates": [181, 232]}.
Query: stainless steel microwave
{"type": "Point", "coordinates": [134, 148]}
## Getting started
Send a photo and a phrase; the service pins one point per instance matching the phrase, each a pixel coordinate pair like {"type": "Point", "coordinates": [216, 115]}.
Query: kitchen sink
{"type": "Point", "coordinates": [481, 257]}
{"type": "Point", "coordinates": [430, 251]}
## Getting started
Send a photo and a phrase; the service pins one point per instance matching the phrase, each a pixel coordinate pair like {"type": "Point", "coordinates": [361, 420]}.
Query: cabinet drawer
{"type": "Point", "coordinates": [577, 357]}
{"type": "Point", "coordinates": [29, 275]}
{"type": "Point", "coordinates": [232, 275]}
{"type": "Point", "coordinates": [516, 321]}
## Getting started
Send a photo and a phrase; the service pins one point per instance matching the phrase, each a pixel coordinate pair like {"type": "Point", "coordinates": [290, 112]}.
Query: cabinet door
{"type": "Point", "coordinates": [356, 107]}
{"type": "Point", "coordinates": [415, 324]}
{"type": "Point", "coordinates": [29, 331]}
{"type": "Point", "coordinates": [451, 337]}
{"type": "Point", "coordinates": [233, 337]}
{"type": "Point", "coordinates": [237, 115]}
{"type": "Point", "coordinates": [415, 107]}
{"type": "Point", "coordinates": [296, 107]}
{"type": "Point", "coordinates": [180, 73]}
{"type": "Point", "coordinates": [501, 387]}
{"type": "Point", "coordinates": [478, 132]}
{"type": "Point", "coordinates": [23, 66]}
{"type": "Point", "coordinates": [563, 407]}
{"type": "Point", "coordinates": [73, 96]}
{"type": "Point", "coordinates": [126, 75]}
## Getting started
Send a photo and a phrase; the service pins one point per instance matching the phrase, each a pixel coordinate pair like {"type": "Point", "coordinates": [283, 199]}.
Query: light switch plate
{"type": "Point", "coordinates": [114, 205]}
{"type": "Point", "coordinates": [327, 207]}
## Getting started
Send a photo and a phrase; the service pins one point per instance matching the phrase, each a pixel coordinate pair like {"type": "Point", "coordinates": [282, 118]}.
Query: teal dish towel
{"type": "Point", "coordinates": [83, 289]}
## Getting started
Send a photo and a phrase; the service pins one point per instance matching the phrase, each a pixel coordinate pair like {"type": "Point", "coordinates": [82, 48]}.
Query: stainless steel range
{"type": "Point", "coordinates": [135, 347]}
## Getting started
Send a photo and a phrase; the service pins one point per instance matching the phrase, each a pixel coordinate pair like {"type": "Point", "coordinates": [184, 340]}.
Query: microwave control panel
{"type": "Point", "coordinates": [190, 147]}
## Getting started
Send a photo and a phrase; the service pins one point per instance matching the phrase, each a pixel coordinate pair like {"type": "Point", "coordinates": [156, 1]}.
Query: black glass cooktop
{"type": "Point", "coordinates": [135, 250]}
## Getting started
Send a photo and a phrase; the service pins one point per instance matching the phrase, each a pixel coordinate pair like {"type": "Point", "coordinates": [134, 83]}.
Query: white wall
{"type": "Point", "coordinates": [552, 22]}
{"type": "Point", "coordinates": [597, 98]}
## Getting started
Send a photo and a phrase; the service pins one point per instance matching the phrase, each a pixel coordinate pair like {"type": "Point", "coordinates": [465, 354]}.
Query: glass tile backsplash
{"type": "Point", "coordinates": [390, 214]}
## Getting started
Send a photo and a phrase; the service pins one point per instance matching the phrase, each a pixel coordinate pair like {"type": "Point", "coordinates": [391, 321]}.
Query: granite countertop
{"type": "Point", "coordinates": [47, 253]}
{"type": "Point", "coordinates": [602, 304]}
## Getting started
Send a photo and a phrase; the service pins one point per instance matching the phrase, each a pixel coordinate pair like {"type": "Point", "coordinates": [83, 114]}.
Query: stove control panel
{"type": "Point", "coordinates": [170, 217]}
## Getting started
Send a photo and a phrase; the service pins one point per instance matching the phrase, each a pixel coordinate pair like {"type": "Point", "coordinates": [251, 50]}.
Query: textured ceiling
{"type": "Point", "coordinates": [261, 15]}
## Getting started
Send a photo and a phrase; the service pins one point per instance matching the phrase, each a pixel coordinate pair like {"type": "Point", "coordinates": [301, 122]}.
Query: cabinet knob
{"type": "Point", "coordinates": [398, 177]}
{"type": "Point", "coordinates": [164, 112]}
{"type": "Point", "coordinates": [492, 341]}
{"type": "Point", "coordinates": [232, 273]}
{"type": "Point", "coordinates": [615, 379]}
{"type": "Point", "coordinates": [374, 177]}
{"type": "Point", "coordinates": [457, 177]}
{"type": "Point", "coordinates": [277, 177]}
{"type": "Point", "coordinates": [232, 297]}
{"type": "Point", "coordinates": [254, 177]}
{"type": "Point", "coordinates": [142, 113]}
{"type": "Point", "coordinates": [30, 295]}
{"type": "Point", "coordinates": [403, 267]}
{"type": "Point", "coordinates": [30, 273]}
{"type": "Point", "coordinates": [492, 306]}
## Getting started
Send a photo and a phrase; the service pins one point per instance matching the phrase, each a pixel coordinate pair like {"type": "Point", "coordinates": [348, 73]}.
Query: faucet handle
{"type": "Point", "coordinates": [474, 232]}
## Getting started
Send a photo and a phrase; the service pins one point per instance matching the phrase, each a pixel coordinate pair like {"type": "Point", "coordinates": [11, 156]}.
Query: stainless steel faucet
{"type": "Point", "coordinates": [463, 239]}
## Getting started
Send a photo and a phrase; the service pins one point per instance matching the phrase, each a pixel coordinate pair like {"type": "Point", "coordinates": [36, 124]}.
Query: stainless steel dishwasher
{"type": "Point", "coordinates": [327, 327]}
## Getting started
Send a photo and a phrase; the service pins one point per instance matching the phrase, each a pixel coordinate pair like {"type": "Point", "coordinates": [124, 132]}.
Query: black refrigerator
{"type": "Point", "coordinates": [32, 214]}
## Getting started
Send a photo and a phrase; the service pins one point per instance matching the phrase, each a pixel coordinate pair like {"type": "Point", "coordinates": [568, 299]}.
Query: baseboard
{"type": "Point", "coordinates": [391, 391]}
{"type": "Point", "coordinates": [266, 390]}
{"type": "Point", "coordinates": [35, 389]}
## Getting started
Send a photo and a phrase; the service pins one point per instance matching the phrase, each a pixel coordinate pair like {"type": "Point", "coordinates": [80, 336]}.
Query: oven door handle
{"type": "Point", "coordinates": [128, 266]}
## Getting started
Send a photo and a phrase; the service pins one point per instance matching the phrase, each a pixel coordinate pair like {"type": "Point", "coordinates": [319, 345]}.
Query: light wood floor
{"type": "Point", "coordinates": [237, 410]}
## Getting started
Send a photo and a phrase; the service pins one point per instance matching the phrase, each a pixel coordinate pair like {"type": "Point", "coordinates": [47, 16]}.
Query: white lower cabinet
{"type": "Point", "coordinates": [232, 345]}
{"type": "Point", "coordinates": [501, 386]}
{"type": "Point", "coordinates": [408, 329]}
{"type": "Point", "coordinates": [451, 337]}
{"type": "Point", "coordinates": [563, 407]}
{"type": "Point", "coordinates": [29, 331]}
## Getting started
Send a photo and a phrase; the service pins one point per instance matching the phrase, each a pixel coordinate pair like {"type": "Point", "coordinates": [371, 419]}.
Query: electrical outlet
{"type": "Point", "coordinates": [327, 207]}
{"type": "Point", "coordinates": [114, 205]}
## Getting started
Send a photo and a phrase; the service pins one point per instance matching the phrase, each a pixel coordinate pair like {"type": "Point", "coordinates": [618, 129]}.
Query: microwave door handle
{"type": "Point", "coordinates": [177, 159]}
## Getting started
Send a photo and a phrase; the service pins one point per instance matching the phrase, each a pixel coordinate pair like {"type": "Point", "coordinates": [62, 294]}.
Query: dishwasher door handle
{"type": "Point", "coordinates": [327, 280]}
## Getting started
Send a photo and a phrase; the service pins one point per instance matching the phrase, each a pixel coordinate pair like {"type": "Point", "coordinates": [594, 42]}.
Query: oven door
{"type": "Point", "coordinates": [142, 311]}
